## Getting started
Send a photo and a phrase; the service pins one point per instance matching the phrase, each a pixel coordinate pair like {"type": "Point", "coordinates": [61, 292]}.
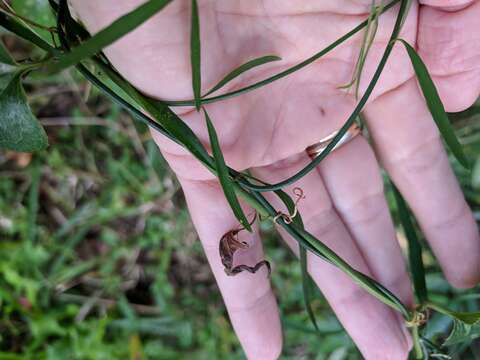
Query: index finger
{"type": "Point", "coordinates": [248, 297]}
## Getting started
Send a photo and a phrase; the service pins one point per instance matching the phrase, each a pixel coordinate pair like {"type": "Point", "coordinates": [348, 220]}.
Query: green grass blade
{"type": "Point", "coordinates": [33, 201]}
{"type": "Point", "coordinates": [223, 175]}
{"type": "Point", "coordinates": [435, 105]}
{"type": "Point", "coordinates": [195, 56]}
{"type": "Point", "coordinates": [243, 68]}
{"type": "Point", "coordinates": [414, 248]}
{"type": "Point", "coordinates": [110, 34]}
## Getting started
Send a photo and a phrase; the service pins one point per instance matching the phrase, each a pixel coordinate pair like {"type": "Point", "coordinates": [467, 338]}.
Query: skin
{"type": "Point", "coordinates": [267, 131]}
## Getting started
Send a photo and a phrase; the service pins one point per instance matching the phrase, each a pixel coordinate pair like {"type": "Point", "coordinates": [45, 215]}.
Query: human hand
{"type": "Point", "coordinates": [267, 131]}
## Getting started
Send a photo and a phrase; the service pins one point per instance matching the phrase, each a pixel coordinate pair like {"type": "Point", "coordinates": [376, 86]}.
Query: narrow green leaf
{"type": "Point", "coordinates": [171, 124]}
{"type": "Point", "coordinates": [367, 41]}
{"type": "Point", "coordinates": [314, 245]}
{"type": "Point", "coordinates": [223, 175]}
{"type": "Point", "coordinates": [306, 280]}
{"type": "Point", "coordinates": [369, 38]}
{"type": "Point", "coordinates": [324, 252]}
{"type": "Point", "coordinates": [435, 105]}
{"type": "Point", "coordinates": [19, 129]}
{"type": "Point", "coordinates": [110, 34]}
{"type": "Point", "coordinates": [367, 283]}
{"type": "Point", "coordinates": [195, 56]}
{"type": "Point", "coordinates": [243, 68]}
{"type": "Point", "coordinates": [11, 24]}
{"type": "Point", "coordinates": [306, 286]}
{"type": "Point", "coordinates": [38, 11]}
{"type": "Point", "coordinates": [405, 16]}
{"type": "Point", "coordinates": [414, 248]}
{"type": "Point", "coordinates": [469, 318]}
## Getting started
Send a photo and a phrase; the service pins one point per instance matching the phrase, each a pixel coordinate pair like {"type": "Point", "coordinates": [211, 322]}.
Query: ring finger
{"type": "Point", "coordinates": [352, 177]}
{"type": "Point", "coordinates": [410, 149]}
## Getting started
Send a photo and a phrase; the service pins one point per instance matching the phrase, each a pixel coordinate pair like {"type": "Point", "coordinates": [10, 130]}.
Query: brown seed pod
{"type": "Point", "coordinates": [229, 244]}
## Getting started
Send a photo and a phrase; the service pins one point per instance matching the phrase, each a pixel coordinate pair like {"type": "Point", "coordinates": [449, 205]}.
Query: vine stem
{"type": "Point", "coordinates": [417, 347]}
{"type": "Point", "coordinates": [254, 198]}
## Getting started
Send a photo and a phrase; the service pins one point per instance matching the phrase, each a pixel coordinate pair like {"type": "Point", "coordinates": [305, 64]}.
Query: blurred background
{"type": "Point", "coordinates": [99, 259]}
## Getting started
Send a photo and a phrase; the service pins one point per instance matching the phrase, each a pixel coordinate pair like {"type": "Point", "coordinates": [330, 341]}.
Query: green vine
{"type": "Point", "coordinates": [77, 48]}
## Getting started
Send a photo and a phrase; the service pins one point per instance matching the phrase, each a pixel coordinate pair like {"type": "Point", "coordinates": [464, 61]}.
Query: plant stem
{"type": "Point", "coordinates": [170, 125]}
{"type": "Point", "coordinates": [7, 9]}
{"type": "Point", "coordinates": [416, 343]}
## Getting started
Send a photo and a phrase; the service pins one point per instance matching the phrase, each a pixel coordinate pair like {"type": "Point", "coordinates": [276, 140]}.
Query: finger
{"type": "Point", "coordinates": [248, 297]}
{"type": "Point", "coordinates": [448, 43]}
{"type": "Point", "coordinates": [373, 326]}
{"type": "Point", "coordinates": [410, 148]}
{"type": "Point", "coordinates": [352, 178]}
{"type": "Point", "coordinates": [447, 5]}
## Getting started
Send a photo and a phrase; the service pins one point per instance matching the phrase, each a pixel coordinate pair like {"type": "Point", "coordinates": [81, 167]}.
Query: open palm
{"type": "Point", "coordinates": [267, 131]}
